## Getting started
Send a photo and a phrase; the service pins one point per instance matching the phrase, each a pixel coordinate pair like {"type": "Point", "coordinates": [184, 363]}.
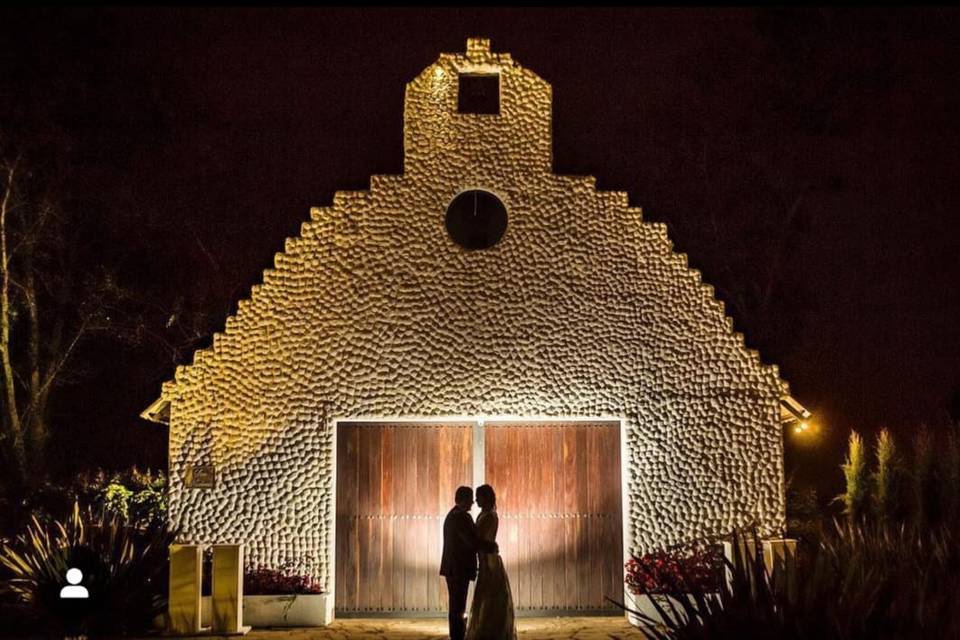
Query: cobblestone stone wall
{"type": "Point", "coordinates": [581, 309]}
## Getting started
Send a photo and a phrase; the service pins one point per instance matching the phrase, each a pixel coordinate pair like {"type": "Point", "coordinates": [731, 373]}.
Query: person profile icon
{"type": "Point", "coordinates": [74, 589]}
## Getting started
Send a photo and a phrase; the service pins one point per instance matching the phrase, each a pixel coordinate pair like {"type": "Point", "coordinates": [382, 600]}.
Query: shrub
{"type": "Point", "coordinates": [263, 581]}
{"type": "Point", "coordinates": [678, 570]}
{"type": "Point", "coordinates": [136, 496]}
{"type": "Point", "coordinates": [116, 498]}
{"type": "Point", "coordinates": [950, 479]}
{"type": "Point", "coordinates": [804, 514]}
{"type": "Point", "coordinates": [267, 582]}
{"type": "Point", "coordinates": [124, 571]}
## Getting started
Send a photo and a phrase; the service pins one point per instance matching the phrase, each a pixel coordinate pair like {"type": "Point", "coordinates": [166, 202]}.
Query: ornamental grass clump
{"type": "Point", "coordinates": [887, 482]}
{"type": "Point", "coordinates": [856, 477]}
{"type": "Point", "coordinates": [917, 486]}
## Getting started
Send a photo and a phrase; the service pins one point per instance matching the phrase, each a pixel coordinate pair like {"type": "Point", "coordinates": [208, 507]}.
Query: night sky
{"type": "Point", "coordinates": [807, 161]}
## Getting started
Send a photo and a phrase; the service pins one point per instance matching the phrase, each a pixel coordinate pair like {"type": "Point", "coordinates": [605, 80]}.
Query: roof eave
{"type": "Point", "coordinates": [158, 411]}
{"type": "Point", "coordinates": [791, 410]}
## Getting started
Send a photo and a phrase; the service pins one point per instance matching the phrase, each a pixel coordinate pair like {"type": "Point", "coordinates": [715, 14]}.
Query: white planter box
{"type": "Point", "coordinates": [303, 610]}
{"type": "Point", "coordinates": [644, 606]}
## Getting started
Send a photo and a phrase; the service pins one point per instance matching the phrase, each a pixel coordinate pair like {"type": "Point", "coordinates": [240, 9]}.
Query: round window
{"type": "Point", "coordinates": [476, 219]}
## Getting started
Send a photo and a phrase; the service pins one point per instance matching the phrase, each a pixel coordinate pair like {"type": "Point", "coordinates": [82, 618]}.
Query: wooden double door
{"type": "Point", "coordinates": [558, 497]}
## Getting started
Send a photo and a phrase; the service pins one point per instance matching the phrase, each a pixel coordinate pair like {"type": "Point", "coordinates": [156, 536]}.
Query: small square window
{"type": "Point", "coordinates": [479, 94]}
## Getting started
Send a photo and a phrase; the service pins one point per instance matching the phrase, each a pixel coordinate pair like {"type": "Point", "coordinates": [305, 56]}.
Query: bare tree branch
{"type": "Point", "coordinates": [14, 424]}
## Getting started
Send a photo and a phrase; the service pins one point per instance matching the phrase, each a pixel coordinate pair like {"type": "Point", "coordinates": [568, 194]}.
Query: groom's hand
{"type": "Point", "coordinates": [491, 547]}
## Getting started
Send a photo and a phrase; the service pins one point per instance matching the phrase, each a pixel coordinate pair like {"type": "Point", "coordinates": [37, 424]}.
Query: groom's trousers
{"type": "Point", "coordinates": [457, 590]}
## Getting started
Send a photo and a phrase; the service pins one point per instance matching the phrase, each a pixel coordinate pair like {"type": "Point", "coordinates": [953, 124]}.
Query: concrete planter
{"type": "Point", "coordinates": [301, 610]}
{"type": "Point", "coordinates": [645, 606]}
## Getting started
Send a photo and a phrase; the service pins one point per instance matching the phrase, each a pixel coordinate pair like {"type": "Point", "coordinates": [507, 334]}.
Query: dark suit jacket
{"type": "Point", "coordinates": [460, 546]}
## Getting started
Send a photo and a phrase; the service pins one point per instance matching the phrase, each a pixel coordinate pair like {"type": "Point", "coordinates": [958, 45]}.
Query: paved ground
{"type": "Point", "coordinates": [435, 629]}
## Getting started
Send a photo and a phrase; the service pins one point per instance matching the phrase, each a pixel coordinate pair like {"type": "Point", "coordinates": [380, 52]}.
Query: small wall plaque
{"type": "Point", "coordinates": [200, 476]}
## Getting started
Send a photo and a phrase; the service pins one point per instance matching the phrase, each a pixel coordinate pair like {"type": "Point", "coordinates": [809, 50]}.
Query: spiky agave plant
{"type": "Point", "coordinates": [124, 572]}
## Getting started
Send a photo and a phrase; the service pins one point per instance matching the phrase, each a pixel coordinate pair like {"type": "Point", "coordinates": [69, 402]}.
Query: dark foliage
{"type": "Point", "coordinates": [860, 582]}
{"type": "Point", "coordinates": [267, 582]}
{"type": "Point", "coordinates": [124, 570]}
{"type": "Point", "coordinates": [675, 570]}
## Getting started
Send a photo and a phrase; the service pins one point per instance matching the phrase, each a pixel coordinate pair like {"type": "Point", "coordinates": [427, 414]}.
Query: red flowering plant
{"type": "Point", "coordinates": [263, 581]}
{"type": "Point", "coordinates": [695, 567]}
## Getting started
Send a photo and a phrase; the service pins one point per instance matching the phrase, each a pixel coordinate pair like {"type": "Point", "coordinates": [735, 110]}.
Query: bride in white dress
{"type": "Point", "coordinates": [491, 613]}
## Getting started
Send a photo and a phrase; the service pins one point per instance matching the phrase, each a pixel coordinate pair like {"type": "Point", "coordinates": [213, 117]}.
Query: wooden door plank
{"type": "Point", "coordinates": [559, 526]}
{"type": "Point", "coordinates": [537, 562]}
{"type": "Point", "coordinates": [375, 461]}
{"type": "Point", "coordinates": [342, 509]}
{"type": "Point", "coordinates": [539, 463]}
{"type": "Point", "coordinates": [348, 499]}
{"type": "Point", "coordinates": [570, 565]}
{"type": "Point", "coordinates": [409, 464]}
{"type": "Point", "coordinates": [386, 552]}
{"type": "Point", "coordinates": [399, 446]}
{"type": "Point", "coordinates": [432, 521]}
{"type": "Point", "coordinates": [595, 488]}
{"type": "Point", "coordinates": [582, 508]}
{"type": "Point", "coordinates": [387, 472]}
{"type": "Point", "coordinates": [519, 449]}
{"type": "Point", "coordinates": [570, 455]}
{"type": "Point", "coordinates": [550, 543]}
{"type": "Point", "coordinates": [400, 456]}
{"type": "Point", "coordinates": [388, 512]}
{"type": "Point", "coordinates": [613, 573]}
{"type": "Point", "coordinates": [442, 501]}
{"type": "Point", "coordinates": [363, 512]}
{"type": "Point", "coordinates": [423, 479]}
{"type": "Point", "coordinates": [466, 457]}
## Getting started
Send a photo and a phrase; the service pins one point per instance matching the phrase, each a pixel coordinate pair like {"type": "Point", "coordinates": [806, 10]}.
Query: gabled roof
{"type": "Point", "coordinates": [478, 57]}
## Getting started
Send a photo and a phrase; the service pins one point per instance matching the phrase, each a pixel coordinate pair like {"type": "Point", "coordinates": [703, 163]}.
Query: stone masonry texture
{"type": "Point", "coordinates": [582, 309]}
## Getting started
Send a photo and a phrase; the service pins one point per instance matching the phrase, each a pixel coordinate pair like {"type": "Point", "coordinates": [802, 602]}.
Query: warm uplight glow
{"type": "Point", "coordinates": [806, 431]}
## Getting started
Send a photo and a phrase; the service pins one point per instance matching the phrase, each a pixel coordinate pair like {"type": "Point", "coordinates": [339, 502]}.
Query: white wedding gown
{"type": "Point", "coordinates": [491, 613]}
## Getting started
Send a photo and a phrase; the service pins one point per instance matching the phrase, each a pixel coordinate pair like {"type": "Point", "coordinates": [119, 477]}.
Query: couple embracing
{"type": "Point", "coordinates": [491, 613]}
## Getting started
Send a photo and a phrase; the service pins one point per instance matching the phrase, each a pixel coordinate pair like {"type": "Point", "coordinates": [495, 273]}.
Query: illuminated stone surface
{"type": "Point", "coordinates": [581, 309]}
{"type": "Point", "coordinates": [186, 563]}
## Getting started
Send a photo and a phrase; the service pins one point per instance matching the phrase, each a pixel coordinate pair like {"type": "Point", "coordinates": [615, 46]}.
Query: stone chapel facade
{"type": "Point", "coordinates": [538, 335]}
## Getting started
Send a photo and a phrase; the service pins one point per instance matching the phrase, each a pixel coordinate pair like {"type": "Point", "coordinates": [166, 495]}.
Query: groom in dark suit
{"type": "Point", "coordinates": [459, 562]}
